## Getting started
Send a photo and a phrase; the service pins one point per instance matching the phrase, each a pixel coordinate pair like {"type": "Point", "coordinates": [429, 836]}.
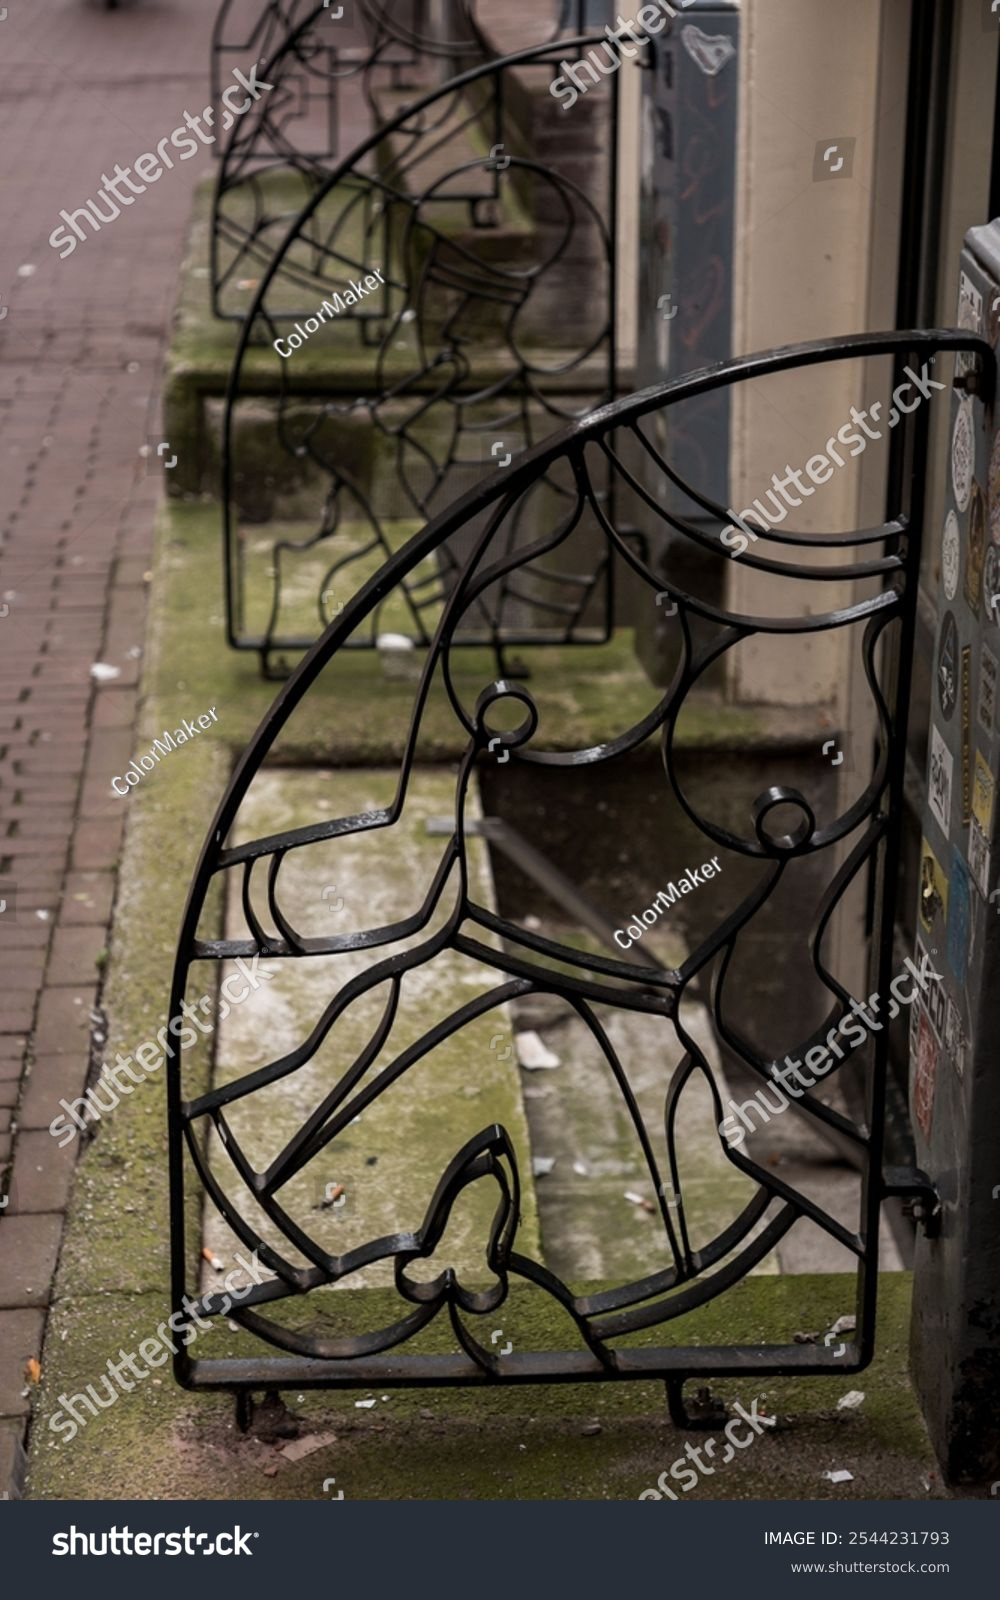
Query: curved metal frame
{"type": "Point", "coordinates": [888, 554]}
{"type": "Point", "coordinates": [379, 188]}
{"type": "Point", "coordinates": [306, 64]}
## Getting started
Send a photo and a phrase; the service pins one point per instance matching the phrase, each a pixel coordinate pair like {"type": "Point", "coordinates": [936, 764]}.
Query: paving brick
{"type": "Point", "coordinates": [29, 1249]}
{"type": "Point", "coordinates": [44, 805]}
{"type": "Point", "coordinates": [52, 1079]}
{"type": "Point", "coordinates": [23, 934]}
{"type": "Point", "coordinates": [43, 1172]}
{"type": "Point", "coordinates": [87, 897]}
{"type": "Point", "coordinates": [98, 844]}
{"type": "Point", "coordinates": [25, 970]}
{"type": "Point", "coordinates": [13, 1460]}
{"type": "Point", "coordinates": [116, 710]}
{"type": "Point", "coordinates": [38, 827]}
{"type": "Point", "coordinates": [17, 1010]}
{"type": "Point", "coordinates": [38, 853]}
{"type": "Point", "coordinates": [73, 958]}
{"type": "Point", "coordinates": [109, 750]}
{"type": "Point", "coordinates": [20, 1340]}
{"type": "Point", "coordinates": [37, 764]}
{"type": "Point", "coordinates": [63, 1024]}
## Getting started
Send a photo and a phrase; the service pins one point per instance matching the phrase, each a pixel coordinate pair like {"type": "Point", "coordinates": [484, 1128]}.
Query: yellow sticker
{"type": "Point", "coordinates": [933, 887]}
{"type": "Point", "coordinates": [983, 787]}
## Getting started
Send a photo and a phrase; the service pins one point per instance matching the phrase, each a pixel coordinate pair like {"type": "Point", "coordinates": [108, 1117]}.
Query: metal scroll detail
{"type": "Point", "coordinates": [492, 319]}
{"type": "Point", "coordinates": [332, 81]}
{"type": "Point", "coordinates": [400, 953]}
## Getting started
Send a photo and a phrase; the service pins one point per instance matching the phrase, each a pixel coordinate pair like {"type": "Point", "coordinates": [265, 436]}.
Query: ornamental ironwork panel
{"type": "Point", "coordinates": [461, 303]}
{"type": "Point", "coordinates": [304, 1335]}
{"type": "Point", "coordinates": [334, 80]}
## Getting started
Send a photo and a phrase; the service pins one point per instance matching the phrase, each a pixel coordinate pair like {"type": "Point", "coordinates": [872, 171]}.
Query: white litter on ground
{"type": "Point", "coordinates": [299, 1448]}
{"type": "Point", "coordinates": [844, 1325]}
{"type": "Point", "coordinates": [850, 1401]}
{"type": "Point", "coordinates": [533, 1055]}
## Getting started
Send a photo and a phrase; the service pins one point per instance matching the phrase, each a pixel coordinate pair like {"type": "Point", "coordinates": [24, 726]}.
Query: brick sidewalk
{"type": "Point", "coordinates": [81, 345]}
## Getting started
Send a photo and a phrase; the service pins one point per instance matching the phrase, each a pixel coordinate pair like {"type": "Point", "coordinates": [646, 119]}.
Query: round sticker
{"type": "Point", "coordinates": [949, 555]}
{"type": "Point", "coordinates": [991, 584]}
{"type": "Point", "coordinates": [947, 666]}
{"type": "Point", "coordinates": [961, 455]}
{"type": "Point", "coordinates": [994, 491]}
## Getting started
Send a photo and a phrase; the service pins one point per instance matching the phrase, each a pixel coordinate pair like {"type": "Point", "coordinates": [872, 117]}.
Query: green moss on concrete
{"type": "Point", "coordinates": [488, 1442]}
{"type": "Point", "coordinates": [586, 695]}
{"type": "Point", "coordinates": [335, 364]}
{"type": "Point", "coordinates": [119, 1237]}
{"type": "Point", "coordinates": [304, 569]}
{"type": "Point", "coordinates": [391, 1163]}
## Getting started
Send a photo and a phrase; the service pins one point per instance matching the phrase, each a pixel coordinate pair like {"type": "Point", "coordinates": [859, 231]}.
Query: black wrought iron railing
{"type": "Point", "coordinates": [252, 1179]}
{"type": "Point", "coordinates": [334, 79]}
{"type": "Point", "coordinates": [452, 298]}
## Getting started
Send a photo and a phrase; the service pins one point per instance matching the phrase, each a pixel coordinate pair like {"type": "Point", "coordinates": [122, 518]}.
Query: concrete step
{"type": "Point", "coordinates": [391, 1159]}
{"type": "Point", "coordinates": [605, 1441]}
{"type": "Point", "coordinates": [335, 365]}
{"type": "Point", "coordinates": [574, 1115]}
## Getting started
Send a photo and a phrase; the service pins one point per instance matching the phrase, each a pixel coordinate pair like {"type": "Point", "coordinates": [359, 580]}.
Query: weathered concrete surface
{"type": "Point", "coordinates": [333, 364]}
{"type": "Point", "coordinates": [161, 1443]}
{"type": "Point", "coordinates": [578, 1116]}
{"type": "Point", "coordinates": [391, 1160]}
{"type": "Point", "coordinates": [584, 694]}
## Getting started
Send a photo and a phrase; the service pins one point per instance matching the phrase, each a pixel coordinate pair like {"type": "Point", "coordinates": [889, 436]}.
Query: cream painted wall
{"type": "Point", "coordinates": [804, 252]}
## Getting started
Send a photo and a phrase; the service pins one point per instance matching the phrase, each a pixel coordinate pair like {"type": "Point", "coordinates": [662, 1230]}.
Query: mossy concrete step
{"type": "Point", "coordinates": [390, 1163]}
{"type": "Point", "coordinates": [579, 1119]}
{"type": "Point", "coordinates": [490, 1442]}
{"type": "Point", "coordinates": [334, 365]}
{"type": "Point", "coordinates": [585, 694]}
{"type": "Point", "coordinates": [392, 1159]}
{"type": "Point", "coordinates": [255, 215]}
{"type": "Point", "coordinates": [297, 584]}
{"type": "Point", "coordinates": [384, 461]}
{"type": "Point", "coordinates": [593, 1224]}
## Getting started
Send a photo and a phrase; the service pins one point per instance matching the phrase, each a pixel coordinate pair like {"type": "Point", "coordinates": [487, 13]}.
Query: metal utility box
{"type": "Point", "coordinates": [954, 1060]}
